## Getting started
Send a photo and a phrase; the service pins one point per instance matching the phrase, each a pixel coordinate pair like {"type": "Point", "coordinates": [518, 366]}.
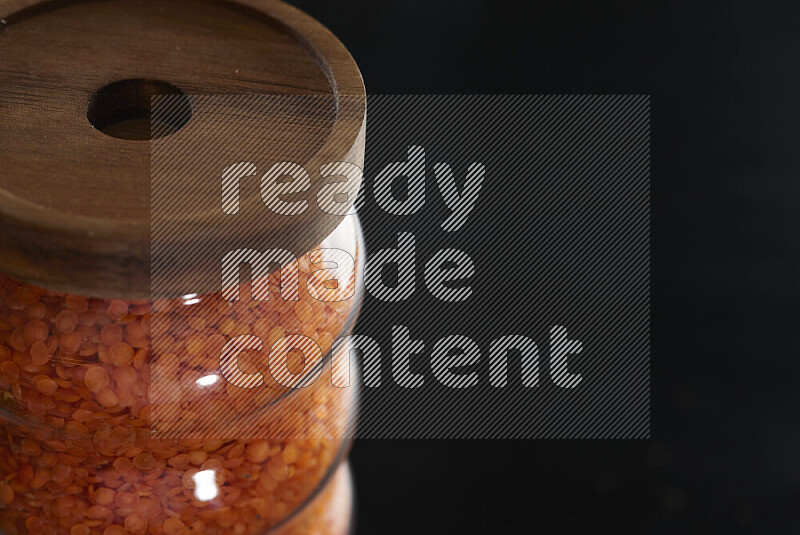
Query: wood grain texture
{"type": "Point", "coordinates": [74, 202]}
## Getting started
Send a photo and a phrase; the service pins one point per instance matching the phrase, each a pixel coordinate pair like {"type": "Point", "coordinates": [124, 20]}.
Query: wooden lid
{"type": "Point", "coordinates": [75, 201]}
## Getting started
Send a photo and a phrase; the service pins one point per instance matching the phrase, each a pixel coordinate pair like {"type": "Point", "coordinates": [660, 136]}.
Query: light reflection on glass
{"type": "Point", "coordinates": [207, 380]}
{"type": "Point", "coordinates": [205, 485]}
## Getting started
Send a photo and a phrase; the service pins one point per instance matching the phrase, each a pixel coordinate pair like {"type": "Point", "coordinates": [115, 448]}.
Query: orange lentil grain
{"type": "Point", "coordinates": [86, 319]}
{"type": "Point", "coordinates": [107, 398]}
{"type": "Point", "coordinates": [40, 354]}
{"type": "Point", "coordinates": [117, 309]}
{"type": "Point", "coordinates": [303, 310]}
{"type": "Point", "coordinates": [135, 524]}
{"type": "Point", "coordinates": [289, 454]}
{"type": "Point", "coordinates": [17, 340]}
{"type": "Point", "coordinates": [258, 451]}
{"type": "Point", "coordinates": [96, 379]}
{"type": "Point", "coordinates": [69, 342]}
{"type": "Point", "coordinates": [188, 479]}
{"type": "Point", "coordinates": [275, 334]}
{"type": "Point", "coordinates": [76, 303]}
{"type": "Point", "coordinates": [46, 386]}
{"type": "Point", "coordinates": [103, 496]}
{"type": "Point", "coordinates": [309, 329]}
{"type": "Point", "coordinates": [40, 478]}
{"type": "Point", "coordinates": [212, 445]}
{"type": "Point", "coordinates": [120, 354]}
{"type": "Point", "coordinates": [198, 457]}
{"type": "Point", "coordinates": [226, 326]}
{"type": "Point", "coordinates": [135, 331]}
{"type": "Point", "coordinates": [179, 461]}
{"type": "Point", "coordinates": [100, 512]}
{"type": "Point", "coordinates": [233, 463]}
{"type": "Point", "coordinates": [123, 464]}
{"type": "Point", "coordinates": [147, 508]}
{"type": "Point", "coordinates": [125, 377]}
{"type": "Point", "coordinates": [236, 451]}
{"type": "Point", "coordinates": [111, 334]}
{"type": "Point", "coordinates": [80, 529]}
{"type": "Point", "coordinates": [278, 469]}
{"type": "Point", "coordinates": [62, 475]}
{"type": "Point", "coordinates": [48, 459]}
{"type": "Point", "coordinates": [145, 461]}
{"type": "Point", "coordinates": [81, 415]}
{"type": "Point", "coordinates": [66, 321]}
{"type": "Point", "coordinates": [125, 501]}
{"type": "Point", "coordinates": [174, 526]}
{"type": "Point", "coordinates": [36, 310]}
{"type": "Point", "coordinates": [35, 330]}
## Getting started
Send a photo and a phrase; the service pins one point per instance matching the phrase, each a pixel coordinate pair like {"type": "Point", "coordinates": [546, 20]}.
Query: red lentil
{"type": "Point", "coordinates": [80, 370]}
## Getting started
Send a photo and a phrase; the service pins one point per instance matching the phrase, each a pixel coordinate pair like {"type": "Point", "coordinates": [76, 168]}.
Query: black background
{"type": "Point", "coordinates": [725, 447]}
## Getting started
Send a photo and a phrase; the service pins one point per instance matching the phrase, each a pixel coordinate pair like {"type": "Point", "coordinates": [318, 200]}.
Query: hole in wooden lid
{"type": "Point", "coordinates": [123, 109]}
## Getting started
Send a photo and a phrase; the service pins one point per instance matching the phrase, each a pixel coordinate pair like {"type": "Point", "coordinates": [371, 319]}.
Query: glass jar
{"type": "Point", "coordinates": [82, 453]}
{"type": "Point", "coordinates": [134, 404]}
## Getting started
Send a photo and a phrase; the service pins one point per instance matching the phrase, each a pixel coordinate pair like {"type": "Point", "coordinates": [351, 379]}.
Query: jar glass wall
{"type": "Point", "coordinates": [138, 417]}
{"type": "Point", "coordinates": [330, 512]}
